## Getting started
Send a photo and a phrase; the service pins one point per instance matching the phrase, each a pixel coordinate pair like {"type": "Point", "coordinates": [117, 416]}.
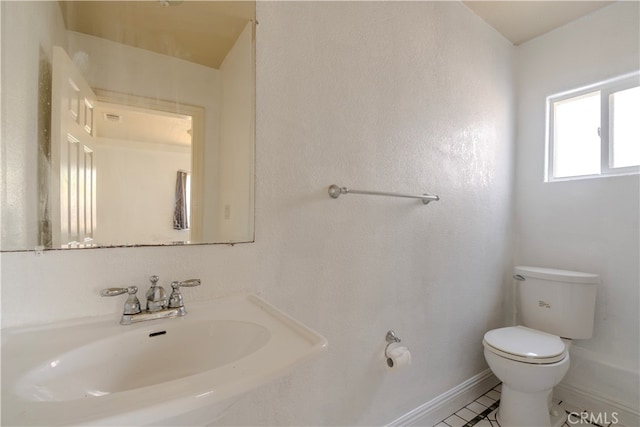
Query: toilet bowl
{"type": "Point", "coordinates": [529, 363]}
{"type": "Point", "coordinates": [532, 359]}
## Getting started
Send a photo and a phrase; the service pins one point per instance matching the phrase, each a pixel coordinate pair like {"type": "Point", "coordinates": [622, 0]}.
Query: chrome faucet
{"type": "Point", "coordinates": [158, 305]}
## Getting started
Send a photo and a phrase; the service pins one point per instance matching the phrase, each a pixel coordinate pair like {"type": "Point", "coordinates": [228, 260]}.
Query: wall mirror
{"type": "Point", "coordinates": [127, 123]}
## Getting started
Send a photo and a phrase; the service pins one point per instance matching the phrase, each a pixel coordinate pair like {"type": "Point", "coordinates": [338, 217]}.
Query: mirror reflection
{"type": "Point", "coordinates": [127, 123]}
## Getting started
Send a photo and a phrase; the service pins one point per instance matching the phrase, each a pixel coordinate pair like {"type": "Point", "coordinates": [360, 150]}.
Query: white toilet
{"type": "Point", "coordinates": [555, 306]}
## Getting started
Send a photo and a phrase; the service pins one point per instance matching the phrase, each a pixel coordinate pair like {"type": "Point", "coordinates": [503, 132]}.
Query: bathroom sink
{"type": "Point", "coordinates": [184, 370]}
{"type": "Point", "coordinates": [141, 358]}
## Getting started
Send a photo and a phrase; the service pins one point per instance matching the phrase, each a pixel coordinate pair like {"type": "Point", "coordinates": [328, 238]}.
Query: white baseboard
{"type": "Point", "coordinates": [435, 410]}
{"type": "Point", "coordinates": [579, 400]}
{"type": "Point", "coordinates": [597, 397]}
{"type": "Point", "coordinates": [598, 385]}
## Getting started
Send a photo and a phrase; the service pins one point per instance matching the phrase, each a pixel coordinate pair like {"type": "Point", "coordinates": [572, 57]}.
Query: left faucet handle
{"type": "Point", "coordinates": [132, 305]}
{"type": "Point", "coordinates": [112, 292]}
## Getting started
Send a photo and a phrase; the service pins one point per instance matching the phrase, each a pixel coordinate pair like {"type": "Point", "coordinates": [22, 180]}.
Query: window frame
{"type": "Point", "coordinates": [606, 88]}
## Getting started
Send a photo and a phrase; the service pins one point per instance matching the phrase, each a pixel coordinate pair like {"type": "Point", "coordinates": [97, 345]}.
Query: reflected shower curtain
{"type": "Point", "coordinates": [180, 212]}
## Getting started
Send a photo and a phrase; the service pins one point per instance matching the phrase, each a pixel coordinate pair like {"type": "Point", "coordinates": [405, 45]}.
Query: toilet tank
{"type": "Point", "coordinates": [559, 302]}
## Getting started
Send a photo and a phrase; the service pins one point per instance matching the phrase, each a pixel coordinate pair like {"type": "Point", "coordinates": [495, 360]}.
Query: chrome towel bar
{"type": "Point", "coordinates": [335, 191]}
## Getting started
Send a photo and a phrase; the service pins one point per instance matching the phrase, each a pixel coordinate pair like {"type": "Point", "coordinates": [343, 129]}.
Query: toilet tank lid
{"type": "Point", "coordinates": [556, 275]}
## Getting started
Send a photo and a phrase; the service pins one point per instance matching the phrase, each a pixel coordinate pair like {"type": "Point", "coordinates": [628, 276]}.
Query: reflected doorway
{"type": "Point", "coordinates": [143, 174]}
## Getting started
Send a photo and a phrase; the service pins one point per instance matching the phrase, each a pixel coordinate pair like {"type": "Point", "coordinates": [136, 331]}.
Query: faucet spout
{"type": "Point", "coordinates": [156, 296]}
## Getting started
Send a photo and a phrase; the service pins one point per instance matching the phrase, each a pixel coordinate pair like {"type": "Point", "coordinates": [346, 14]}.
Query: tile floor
{"type": "Point", "coordinates": [482, 412]}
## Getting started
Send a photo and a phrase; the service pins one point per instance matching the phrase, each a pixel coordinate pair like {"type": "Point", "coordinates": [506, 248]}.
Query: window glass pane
{"type": "Point", "coordinates": [576, 140]}
{"type": "Point", "coordinates": [625, 128]}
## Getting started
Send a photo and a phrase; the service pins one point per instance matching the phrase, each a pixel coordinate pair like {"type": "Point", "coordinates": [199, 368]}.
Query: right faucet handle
{"type": "Point", "coordinates": [175, 299]}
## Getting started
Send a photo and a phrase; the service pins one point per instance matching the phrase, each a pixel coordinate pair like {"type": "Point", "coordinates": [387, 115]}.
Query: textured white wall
{"type": "Point", "coordinates": [383, 96]}
{"type": "Point", "coordinates": [587, 225]}
{"type": "Point", "coordinates": [397, 96]}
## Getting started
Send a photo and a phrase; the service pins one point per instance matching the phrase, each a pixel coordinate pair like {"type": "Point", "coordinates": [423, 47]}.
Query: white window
{"type": "Point", "coordinates": [595, 130]}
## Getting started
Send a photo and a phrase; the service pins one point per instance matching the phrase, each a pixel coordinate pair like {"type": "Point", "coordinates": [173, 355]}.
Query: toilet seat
{"type": "Point", "coordinates": [526, 345]}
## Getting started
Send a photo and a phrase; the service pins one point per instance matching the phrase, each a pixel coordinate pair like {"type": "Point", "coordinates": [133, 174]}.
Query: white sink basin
{"type": "Point", "coordinates": [183, 370]}
{"type": "Point", "coordinates": [140, 358]}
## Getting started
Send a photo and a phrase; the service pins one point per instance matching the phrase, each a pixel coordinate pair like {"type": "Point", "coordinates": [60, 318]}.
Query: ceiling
{"type": "Point", "coordinates": [204, 31]}
{"type": "Point", "coordinates": [116, 121]}
{"type": "Point", "coordinates": [520, 21]}
{"type": "Point", "coordinates": [198, 31]}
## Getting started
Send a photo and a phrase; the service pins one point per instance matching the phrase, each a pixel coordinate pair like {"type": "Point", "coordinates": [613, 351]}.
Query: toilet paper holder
{"type": "Point", "coordinates": [391, 338]}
